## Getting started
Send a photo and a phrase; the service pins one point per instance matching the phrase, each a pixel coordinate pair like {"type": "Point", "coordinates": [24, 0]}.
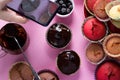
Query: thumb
{"type": "Point", "coordinates": [12, 16]}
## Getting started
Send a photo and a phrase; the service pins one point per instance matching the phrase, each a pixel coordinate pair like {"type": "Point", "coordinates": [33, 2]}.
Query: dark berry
{"type": "Point", "coordinates": [63, 10]}
{"type": "Point", "coordinates": [68, 10]}
{"type": "Point", "coordinates": [61, 2]}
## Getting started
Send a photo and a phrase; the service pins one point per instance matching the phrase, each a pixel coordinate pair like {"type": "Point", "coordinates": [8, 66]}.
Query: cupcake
{"type": "Point", "coordinates": [7, 34]}
{"type": "Point", "coordinates": [89, 5]}
{"type": "Point", "coordinates": [48, 75]}
{"type": "Point", "coordinates": [108, 70]}
{"type": "Point", "coordinates": [58, 35]}
{"type": "Point", "coordinates": [95, 53]}
{"type": "Point", "coordinates": [99, 9]}
{"type": "Point", "coordinates": [86, 13]}
{"type": "Point", "coordinates": [68, 62]}
{"type": "Point", "coordinates": [93, 29]}
{"type": "Point", "coordinates": [20, 71]}
{"type": "Point", "coordinates": [112, 10]}
{"type": "Point", "coordinates": [111, 45]}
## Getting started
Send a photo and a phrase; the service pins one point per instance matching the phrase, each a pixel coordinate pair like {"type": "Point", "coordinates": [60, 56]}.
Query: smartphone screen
{"type": "Point", "coordinates": [40, 11]}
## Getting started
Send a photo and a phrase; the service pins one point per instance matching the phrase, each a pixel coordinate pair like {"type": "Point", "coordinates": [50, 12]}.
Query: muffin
{"type": "Point", "coordinates": [108, 70]}
{"type": "Point", "coordinates": [48, 75]}
{"type": "Point", "coordinates": [111, 45]}
{"type": "Point", "coordinates": [20, 71]}
{"type": "Point", "coordinates": [95, 53]}
{"type": "Point", "coordinates": [58, 35]}
{"type": "Point", "coordinates": [7, 34]}
{"type": "Point", "coordinates": [99, 9]}
{"type": "Point", "coordinates": [112, 9]}
{"type": "Point", "coordinates": [89, 5]}
{"type": "Point", "coordinates": [68, 62]}
{"type": "Point", "coordinates": [93, 29]}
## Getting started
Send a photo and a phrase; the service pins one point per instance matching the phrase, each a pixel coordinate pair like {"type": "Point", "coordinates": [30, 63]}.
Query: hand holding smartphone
{"type": "Point", "coordinates": [40, 11]}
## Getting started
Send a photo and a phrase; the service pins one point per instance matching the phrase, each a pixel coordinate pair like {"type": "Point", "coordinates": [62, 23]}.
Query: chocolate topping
{"type": "Point", "coordinates": [48, 75]}
{"type": "Point", "coordinates": [58, 35]}
{"type": "Point", "coordinates": [68, 62]}
{"type": "Point", "coordinates": [12, 30]}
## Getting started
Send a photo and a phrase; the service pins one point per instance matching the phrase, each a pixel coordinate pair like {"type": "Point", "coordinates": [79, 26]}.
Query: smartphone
{"type": "Point", "coordinates": [40, 11]}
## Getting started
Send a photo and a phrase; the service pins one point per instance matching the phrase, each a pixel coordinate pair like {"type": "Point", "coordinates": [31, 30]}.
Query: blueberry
{"type": "Point", "coordinates": [68, 10]}
{"type": "Point", "coordinates": [61, 2]}
{"type": "Point", "coordinates": [70, 6]}
{"type": "Point", "coordinates": [63, 5]}
{"type": "Point", "coordinates": [63, 10]}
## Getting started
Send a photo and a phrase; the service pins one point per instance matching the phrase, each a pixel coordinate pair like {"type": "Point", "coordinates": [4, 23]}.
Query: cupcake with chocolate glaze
{"type": "Point", "coordinates": [20, 71]}
{"type": "Point", "coordinates": [48, 75]}
{"type": "Point", "coordinates": [68, 62]}
{"type": "Point", "coordinates": [108, 70]}
{"type": "Point", "coordinates": [58, 35]}
{"type": "Point", "coordinates": [95, 53]}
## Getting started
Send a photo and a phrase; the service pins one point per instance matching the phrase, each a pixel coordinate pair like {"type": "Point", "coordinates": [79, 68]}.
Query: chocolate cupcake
{"type": "Point", "coordinates": [68, 62]}
{"type": "Point", "coordinates": [58, 35]}
{"type": "Point", "coordinates": [111, 45]}
{"type": "Point", "coordinates": [108, 70]}
{"type": "Point", "coordinates": [95, 53]}
{"type": "Point", "coordinates": [48, 75]}
{"type": "Point", "coordinates": [7, 41]}
{"type": "Point", "coordinates": [93, 29]}
{"type": "Point", "coordinates": [20, 71]}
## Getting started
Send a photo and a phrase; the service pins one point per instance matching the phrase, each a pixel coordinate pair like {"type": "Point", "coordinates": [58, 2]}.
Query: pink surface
{"type": "Point", "coordinates": [43, 56]}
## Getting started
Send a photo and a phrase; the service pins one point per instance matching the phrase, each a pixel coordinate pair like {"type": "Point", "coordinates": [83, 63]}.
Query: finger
{"type": "Point", "coordinates": [11, 16]}
{"type": "Point", "coordinates": [3, 3]}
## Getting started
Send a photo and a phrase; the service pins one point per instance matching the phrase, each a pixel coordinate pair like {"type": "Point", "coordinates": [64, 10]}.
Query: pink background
{"type": "Point", "coordinates": [43, 56]}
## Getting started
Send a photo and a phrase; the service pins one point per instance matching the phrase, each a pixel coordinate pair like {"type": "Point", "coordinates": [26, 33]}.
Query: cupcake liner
{"type": "Point", "coordinates": [48, 71]}
{"type": "Point", "coordinates": [16, 64]}
{"type": "Point", "coordinates": [85, 4]}
{"type": "Point", "coordinates": [109, 6]}
{"type": "Point", "coordinates": [104, 45]}
{"type": "Point", "coordinates": [94, 41]}
{"type": "Point", "coordinates": [66, 43]}
{"type": "Point", "coordinates": [104, 62]}
{"type": "Point", "coordinates": [101, 60]}
{"type": "Point", "coordinates": [68, 58]}
{"type": "Point", "coordinates": [20, 33]}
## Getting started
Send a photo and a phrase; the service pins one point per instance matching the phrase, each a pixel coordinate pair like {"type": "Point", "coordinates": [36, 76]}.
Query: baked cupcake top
{"type": "Point", "coordinates": [95, 53]}
{"type": "Point", "coordinates": [108, 70]}
{"type": "Point", "coordinates": [20, 71]}
{"type": "Point", "coordinates": [48, 75]}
